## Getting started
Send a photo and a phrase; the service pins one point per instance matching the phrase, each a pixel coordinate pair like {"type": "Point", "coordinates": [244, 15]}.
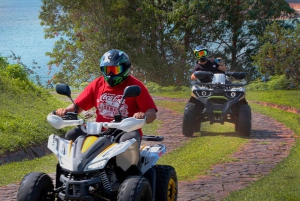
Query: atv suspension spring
{"type": "Point", "coordinates": [105, 181]}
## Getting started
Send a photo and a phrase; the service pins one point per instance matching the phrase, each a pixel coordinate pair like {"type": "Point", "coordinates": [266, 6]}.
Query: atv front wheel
{"type": "Point", "coordinates": [166, 183]}
{"type": "Point", "coordinates": [135, 188]}
{"type": "Point", "coordinates": [191, 119]}
{"type": "Point", "coordinates": [36, 186]}
{"type": "Point", "coordinates": [244, 121]}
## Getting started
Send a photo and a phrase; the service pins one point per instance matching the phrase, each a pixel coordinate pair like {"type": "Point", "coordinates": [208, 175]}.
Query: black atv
{"type": "Point", "coordinates": [217, 100]}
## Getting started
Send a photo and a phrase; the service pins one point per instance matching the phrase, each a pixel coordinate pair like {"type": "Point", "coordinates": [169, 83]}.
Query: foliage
{"type": "Point", "coordinates": [3, 63]}
{"type": "Point", "coordinates": [156, 88]}
{"type": "Point", "coordinates": [157, 35]}
{"type": "Point", "coordinates": [229, 28]}
{"type": "Point", "coordinates": [17, 74]}
{"type": "Point", "coordinates": [273, 83]}
{"type": "Point", "coordinates": [83, 85]}
{"type": "Point", "coordinates": [87, 29]}
{"type": "Point", "coordinates": [18, 70]}
{"type": "Point", "coordinates": [280, 53]}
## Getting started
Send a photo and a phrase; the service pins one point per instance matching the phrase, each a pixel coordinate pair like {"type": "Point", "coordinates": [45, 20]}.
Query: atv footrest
{"type": "Point", "coordinates": [152, 138]}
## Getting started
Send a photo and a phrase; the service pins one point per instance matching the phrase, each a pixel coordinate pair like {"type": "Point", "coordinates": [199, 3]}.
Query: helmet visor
{"type": "Point", "coordinates": [199, 54]}
{"type": "Point", "coordinates": [115, 70]}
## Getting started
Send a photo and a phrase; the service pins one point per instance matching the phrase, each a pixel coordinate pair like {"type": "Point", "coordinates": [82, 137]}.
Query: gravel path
{"type": "Point", "coordinates": [269, 143]}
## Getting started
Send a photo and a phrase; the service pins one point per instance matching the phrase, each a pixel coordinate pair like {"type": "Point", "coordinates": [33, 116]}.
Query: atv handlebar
{"type": "Point", "coordinates": [216, 85]}
{"type": "Point", "coordinates": [127, 125]}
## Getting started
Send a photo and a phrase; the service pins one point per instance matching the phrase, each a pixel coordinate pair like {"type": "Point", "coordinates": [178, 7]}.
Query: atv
{"type": "Point", "coordinates": [99, 167]}
{"type": "Point", "coordinates": [215, 99]}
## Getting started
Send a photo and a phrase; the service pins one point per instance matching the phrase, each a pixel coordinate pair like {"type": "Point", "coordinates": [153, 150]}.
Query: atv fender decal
{"type": "Point", "coordinates": [70, 148]}
{"type": "Point", "coordinates": [142, 147]}
{"type": "Point", "coordinates": [88, 142]}
{"type": "Point", "coordinates": [107, 148]}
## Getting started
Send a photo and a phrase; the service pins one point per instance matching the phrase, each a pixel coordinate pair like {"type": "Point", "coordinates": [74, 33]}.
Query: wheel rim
{"type": "Point", "coordinates": [171, 190]}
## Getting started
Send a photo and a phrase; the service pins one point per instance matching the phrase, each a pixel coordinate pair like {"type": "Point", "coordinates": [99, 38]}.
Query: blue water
{"type": "Point", "coordinates": [21, 32]}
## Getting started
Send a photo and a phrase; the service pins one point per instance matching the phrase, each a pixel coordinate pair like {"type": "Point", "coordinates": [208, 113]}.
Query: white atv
{"type": "Point", "coordinates": [98, 167]}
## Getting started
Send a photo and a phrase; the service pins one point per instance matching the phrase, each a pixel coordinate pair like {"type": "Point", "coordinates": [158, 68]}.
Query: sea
{"type": "Point", "coordinates": [22, 34]}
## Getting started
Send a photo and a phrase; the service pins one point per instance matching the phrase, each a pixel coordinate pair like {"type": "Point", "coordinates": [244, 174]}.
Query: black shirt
{"type": "Point", "coordinates": [209, 66]}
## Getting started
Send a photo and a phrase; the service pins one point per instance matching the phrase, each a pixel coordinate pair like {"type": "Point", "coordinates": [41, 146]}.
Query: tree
{"type": "Point", "coordinates": [87, 29]}
{"type": "Point", "coordinates": [230, 27]}
{"type": "Point", "coordinates": [157, 35]}
{"type": "Point", "coordinates": [280, 53]}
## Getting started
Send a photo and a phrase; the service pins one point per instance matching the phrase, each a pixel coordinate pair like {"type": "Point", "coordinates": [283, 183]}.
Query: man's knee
{"type": "Point", "coordinates": [130, 135]}
{"type": "Point", "coordinates": [74, 134]}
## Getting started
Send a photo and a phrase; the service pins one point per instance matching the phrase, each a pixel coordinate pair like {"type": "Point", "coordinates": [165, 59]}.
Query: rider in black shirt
{"type": "Point", "coordinates": [205, 64]}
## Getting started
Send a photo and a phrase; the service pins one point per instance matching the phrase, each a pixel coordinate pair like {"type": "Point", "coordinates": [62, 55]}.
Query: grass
{"type": "Point", "coordinates": [172, 94]}
{"type": "Point", "coordinates": [281, 97]}
{"type": "Point", "coordinates": [199, 154]}
{"type": "Point", "coordinates": [15, 171]}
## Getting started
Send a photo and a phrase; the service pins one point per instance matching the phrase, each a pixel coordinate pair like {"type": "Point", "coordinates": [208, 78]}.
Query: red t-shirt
{"type": "Point", "coordinates": [106, 99]}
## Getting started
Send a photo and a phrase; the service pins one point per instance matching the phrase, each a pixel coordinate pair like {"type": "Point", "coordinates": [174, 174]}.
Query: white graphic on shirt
{"type": "Point", "coordinates": [108, 105]}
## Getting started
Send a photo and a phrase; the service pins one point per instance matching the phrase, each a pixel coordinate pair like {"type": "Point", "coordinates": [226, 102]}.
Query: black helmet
{"type": "Point", "coordinates": [200, 52]}
{"type": "Point", "coordinates": [115, 65]}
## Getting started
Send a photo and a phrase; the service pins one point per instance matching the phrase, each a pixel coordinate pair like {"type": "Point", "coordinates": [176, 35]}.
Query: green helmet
{"type": "Point", "coordinates": [115, 66]}
{"type": "Point", "coordinates": [201, 52]}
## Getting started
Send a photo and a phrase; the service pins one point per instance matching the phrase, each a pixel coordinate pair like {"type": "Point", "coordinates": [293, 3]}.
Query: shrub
{"type": "Point", "coordinates": [153, 87]}
{"type": "Point", "coordinates": [156, 88]}
{"type": "Point", "coordinates": [83, 85]}
{"type": "Point", "coordinates": [279, 82]}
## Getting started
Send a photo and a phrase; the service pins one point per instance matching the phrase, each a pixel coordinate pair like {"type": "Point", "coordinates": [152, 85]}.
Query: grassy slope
{"type": "Point", "coordinates": [23, 116]}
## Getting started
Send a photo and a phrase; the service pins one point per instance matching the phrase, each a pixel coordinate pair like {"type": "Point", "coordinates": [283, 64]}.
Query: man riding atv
{"type": "Point", "coordinates": [205, 64]}
{"type": "Point", "coordinates": [214, 98]}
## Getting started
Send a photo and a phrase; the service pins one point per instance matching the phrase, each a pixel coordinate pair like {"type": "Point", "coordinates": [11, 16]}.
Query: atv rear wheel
{"type": "Point", "coordinates": [135, 188]}
{"type": "Point", "coordinates": [166, 183]}
{"type": "Point", "coordinates": [36, 186]}
{"type": "Point", "coordinates": [244, 121]}
{"type": "Point", "coordinates": [191, 119]}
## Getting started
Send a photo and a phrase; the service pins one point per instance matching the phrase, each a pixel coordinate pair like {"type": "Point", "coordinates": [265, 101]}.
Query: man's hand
{"type": "Point", "coordinates": [149, 114]}
{"type": "Point", "coordinates": [71, 108]}
{"type": "Point", "coordinates": [139, 115]}
{"type": "Point", "coordinates": [222, 66]}
{"type": "Point", "coordinates": [61, 112]}
{"type": "Point", "coordinates": [193, 77]}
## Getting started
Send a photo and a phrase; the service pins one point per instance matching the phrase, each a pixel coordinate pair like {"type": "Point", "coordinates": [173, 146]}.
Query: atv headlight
{"type": "Point", "coordinates": [97, 165]}
{"type": "Point", "coordinates": [203, 93]}
{"type": "Point", "coordinates": [234, 94]}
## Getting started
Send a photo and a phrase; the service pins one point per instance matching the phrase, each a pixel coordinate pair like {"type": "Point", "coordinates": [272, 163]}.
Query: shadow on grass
{"type": "Point", "coordinates": [229, 134]}
{"type": "Point", "coordinates": [255, 134]}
